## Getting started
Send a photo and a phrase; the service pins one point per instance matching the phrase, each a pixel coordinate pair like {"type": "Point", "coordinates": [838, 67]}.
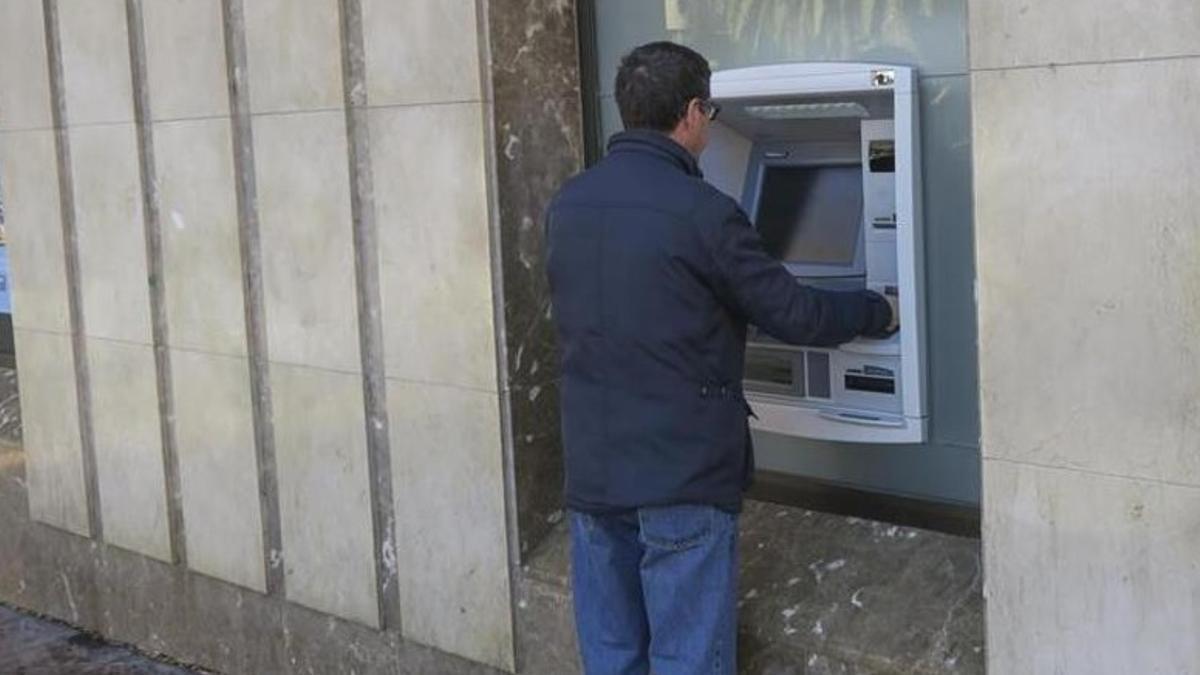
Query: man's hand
{"type": "Point", "coordinates": [893, 301]}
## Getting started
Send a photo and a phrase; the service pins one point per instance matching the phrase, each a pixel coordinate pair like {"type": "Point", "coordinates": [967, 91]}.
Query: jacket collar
{"type": "Point", "coordinates": [655, 143]}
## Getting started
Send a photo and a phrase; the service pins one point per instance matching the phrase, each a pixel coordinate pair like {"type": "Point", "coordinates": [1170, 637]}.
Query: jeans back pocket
{"type": "Point", "coordinates": [676, 528]}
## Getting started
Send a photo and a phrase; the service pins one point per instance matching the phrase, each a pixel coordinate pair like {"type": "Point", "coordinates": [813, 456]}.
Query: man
{"type": "Point", "coordinates": [654, 276]}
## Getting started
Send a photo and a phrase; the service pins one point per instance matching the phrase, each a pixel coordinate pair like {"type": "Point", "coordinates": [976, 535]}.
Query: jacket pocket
{"type": "Point", "coordinates": [749, 411]}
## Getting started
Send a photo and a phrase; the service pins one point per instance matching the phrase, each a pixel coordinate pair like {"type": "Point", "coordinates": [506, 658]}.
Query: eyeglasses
{"type": "Point", "coordinates": [710, 109]}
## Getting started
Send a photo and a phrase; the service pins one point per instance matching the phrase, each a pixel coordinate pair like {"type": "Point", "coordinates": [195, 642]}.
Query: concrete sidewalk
{"type": "Point", "coordinates": [33, 646]}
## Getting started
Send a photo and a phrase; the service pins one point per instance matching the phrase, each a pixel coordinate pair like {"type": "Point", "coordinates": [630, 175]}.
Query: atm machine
{"type": "Point", "coordinates": [824, 159]}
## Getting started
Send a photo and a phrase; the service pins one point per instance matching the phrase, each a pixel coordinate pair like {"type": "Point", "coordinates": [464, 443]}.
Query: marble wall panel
{"type": "Point", "coordinates": [434, 244]}
{"type": "Point", "coordinates": [325, 508]}
{"type": "Point", "coordinates": [128, 440]}
{"type": "Point", "coordinates": [307, 244]}
{"type": "Point", "coordinates": [452, 555]}
{"type": "Point", "coordinates": [33, 231]}
{"type": "Point", "coordinates": [185, 58]}
{"type": "Point", "coordinates": [218, 471]}
{"type": "Point", "coordinates": [1009, 33]}
{"type": "Point", "coordinates": [202, 262]}
{"type": "Point", "coordinates": [1089, 574]}
{"type": "Point", "coordinates": [293, 53]}
{"type": "Point", "coordinates": [1089, 291]}
{"type": "Point", "coordinates": [24, 71]}
{"type": "Point", "coordinates": [97, 79]}
{"type": "Point", "coordinates": [50, 430]}
{"type": "Point", "coordinates": [113, 274]}
{"type": "Point", "coordinates": [538, 143]}
{"type": "Point", "coordinates": [421, 51]}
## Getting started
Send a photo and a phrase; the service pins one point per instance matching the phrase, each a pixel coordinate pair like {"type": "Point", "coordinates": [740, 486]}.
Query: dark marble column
{"type": "Point", "coordinates": [534, 62]}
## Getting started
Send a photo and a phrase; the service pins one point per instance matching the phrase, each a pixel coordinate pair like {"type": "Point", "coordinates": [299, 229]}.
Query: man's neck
{"type": "Point", "coordinates": [686, 141]}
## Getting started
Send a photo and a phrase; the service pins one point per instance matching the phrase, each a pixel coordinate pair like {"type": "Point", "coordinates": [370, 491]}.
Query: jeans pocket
{"type": "Point", "coordinates": [676, 528]}
{"type": "Point", "coordinates": [582, 523]}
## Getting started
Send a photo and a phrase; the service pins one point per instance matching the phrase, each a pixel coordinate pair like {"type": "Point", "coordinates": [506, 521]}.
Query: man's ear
{"type": "Point", "coordinates": [693, 109]}
{"type": "Point", "coordinates": [685, 123]}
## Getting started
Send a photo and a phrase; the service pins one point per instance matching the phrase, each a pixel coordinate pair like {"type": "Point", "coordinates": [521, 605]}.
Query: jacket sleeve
{"type": "Point", "coordinates": [768, 296]}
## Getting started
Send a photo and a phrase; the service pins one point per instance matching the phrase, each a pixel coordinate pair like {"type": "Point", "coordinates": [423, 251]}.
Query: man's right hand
{"type": "Point", "coordinates": [893, 301]}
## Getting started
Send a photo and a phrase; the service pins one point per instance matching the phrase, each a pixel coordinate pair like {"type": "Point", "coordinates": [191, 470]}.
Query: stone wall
{"type": "Point", "coordinates": [1087, 162]}
{"type": "Point", "coordinates": [253, 251]}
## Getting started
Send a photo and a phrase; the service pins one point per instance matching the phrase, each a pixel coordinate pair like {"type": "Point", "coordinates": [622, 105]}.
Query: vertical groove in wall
{"type": "Point", "coordinates": [154, 266]}
{"type": "Point", "coordinates": [370, 325]}
{"type": "Point", "coordinates": [252, 288]}
{"type": "Point", "coordinates": [66, 192]}
{"type": "Point", "coordinates": [589, 80]}
{"type": "Point", "coordinates": [499, 323]}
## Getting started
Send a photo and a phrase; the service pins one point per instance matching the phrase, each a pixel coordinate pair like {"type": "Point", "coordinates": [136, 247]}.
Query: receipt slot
{"type": "Point", "coordinates": [824, 159]}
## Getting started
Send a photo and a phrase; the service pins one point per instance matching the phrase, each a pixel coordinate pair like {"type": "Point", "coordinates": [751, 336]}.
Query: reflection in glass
{"type": "Point", "coordinates": [928, 34]}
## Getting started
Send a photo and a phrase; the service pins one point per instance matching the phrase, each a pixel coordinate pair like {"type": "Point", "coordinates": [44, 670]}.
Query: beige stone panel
{"type": "Point", "coordinates": [33, 230]}
{"type": "Point", "coordinates": [1087, 246]}
{"type": "Point", "coordinates": [307, 239]}
{"type": "Point", "coordinates": [1089, 574]}
{"type": "Point", "coordinates": [218, 469]}
{"type": "Point", "coordinates": [448, 476]}
{"type": "Point", "coordinates": [50, 430]}
{"type": "Point", "coordinates": [293, 53]}
{"type": "Point", "coordinates": [421, 51]}
{"type": "Point", "coordinates": [24, 69]}
{"type": "Point", "coordinates": [324, 498]}
{"type": "Point", "coordinates": [431, 201]}
{"type": "Point", "coordinates": [128, 440]}
{"type": "Point", "coordinates": [185, 58]}
{"type": "Point", "coordinates": [111, 233]}
{"type": "Point", "coordinates": [202, 271]}
{"type": "Point", "coordinates": [95, 50]}
{"type": "Point", "coordinates": [1006, 33]}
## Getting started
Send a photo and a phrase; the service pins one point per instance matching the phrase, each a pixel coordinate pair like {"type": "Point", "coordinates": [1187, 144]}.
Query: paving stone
{"type": "Point", "coordinates": [33, 646]}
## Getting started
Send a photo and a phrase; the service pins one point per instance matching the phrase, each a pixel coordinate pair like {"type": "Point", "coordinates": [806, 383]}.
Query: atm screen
{"type": "Point", "coordinates": [811, 215]}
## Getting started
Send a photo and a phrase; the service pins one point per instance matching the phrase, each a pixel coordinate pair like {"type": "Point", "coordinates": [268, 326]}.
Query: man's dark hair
{"type": "Point", "coordinates": [655, 83]}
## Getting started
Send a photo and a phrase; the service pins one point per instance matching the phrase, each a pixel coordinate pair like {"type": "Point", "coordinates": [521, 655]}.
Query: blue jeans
{"type": "Point", "coordinates": [656, 591]}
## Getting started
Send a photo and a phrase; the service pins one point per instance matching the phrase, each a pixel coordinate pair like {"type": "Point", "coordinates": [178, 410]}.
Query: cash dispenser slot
{"type": "Point", "coordinates": [876, 385]}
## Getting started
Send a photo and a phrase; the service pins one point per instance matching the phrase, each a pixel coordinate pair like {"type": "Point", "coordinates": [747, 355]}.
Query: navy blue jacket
{"type": "Point", "coordinates": [654, 275]}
